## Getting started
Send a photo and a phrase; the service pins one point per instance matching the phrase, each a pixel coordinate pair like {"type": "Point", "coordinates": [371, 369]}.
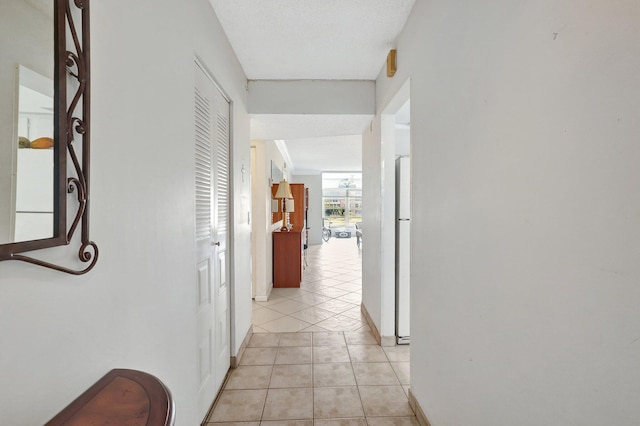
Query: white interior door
{"type": "Point", "coordinates": [212, 228]}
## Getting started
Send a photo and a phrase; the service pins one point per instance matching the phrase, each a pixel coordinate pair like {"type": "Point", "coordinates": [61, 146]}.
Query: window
{"type": "Point", "coordinates": [342, 198]}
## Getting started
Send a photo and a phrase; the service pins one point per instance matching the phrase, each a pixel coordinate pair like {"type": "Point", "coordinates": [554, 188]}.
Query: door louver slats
{"type": "Point", "coordinates": [203, 167]}
{"type": "Point", "coordinates": [222, 173]}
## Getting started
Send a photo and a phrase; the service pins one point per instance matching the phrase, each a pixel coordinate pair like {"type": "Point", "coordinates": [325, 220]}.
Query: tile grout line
{"type": "Point", "coordinates": [313, 387]}
{"type": "Point", "coordinates": [333, 280]}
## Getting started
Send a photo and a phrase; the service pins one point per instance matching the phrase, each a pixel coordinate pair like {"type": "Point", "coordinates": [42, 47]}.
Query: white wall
{"type": "Point", "coordinates": [258, 210]}
{"type": "Point", "coordinates": [136, 309]}
{"type": "Point", "coordinates": [387, 247]}
{"type": "Point", "coordinates": [266, 152]}
{"type": "Point", "coordinates": [526, 241]}
{"type": "Point", "coordinates": [378, 260]}
{"type": "Point", "coordinates": [312, 97]}
{"type": "Point", "coordinates": [372, 220]}
{"type": "Point", "coordinates": [314, 212]}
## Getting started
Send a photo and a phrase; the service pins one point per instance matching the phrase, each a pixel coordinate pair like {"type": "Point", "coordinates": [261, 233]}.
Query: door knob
{"type": "Point", "coordinates": [217, 243]}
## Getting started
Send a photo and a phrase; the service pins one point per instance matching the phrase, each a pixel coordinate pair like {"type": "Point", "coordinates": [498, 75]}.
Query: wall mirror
{"type": "Point", "coordinates": [44, 130]}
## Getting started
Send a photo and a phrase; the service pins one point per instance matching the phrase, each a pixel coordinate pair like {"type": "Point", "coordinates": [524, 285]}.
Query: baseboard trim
{"type": "Point", "coordinates": [381, 340]}
{"type": "Point", "coordinates": [372, 326]}
{"type": "Point", "coordinates": [215, 400]}
{"type": "Point", "coordinates": [417, 409]}
{"type": "Point", "coordinates": [235, 360]}
{"type": "Point", "coordinates": [266, 297]}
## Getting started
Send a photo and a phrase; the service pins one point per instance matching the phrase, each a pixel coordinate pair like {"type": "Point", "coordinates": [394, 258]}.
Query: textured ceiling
{"type": "Point", "coordinates": [339, 154]}
{"type": "Point", "coordinates": [315, 143]}
{"type": "Point", "coordinates": [312, 39]}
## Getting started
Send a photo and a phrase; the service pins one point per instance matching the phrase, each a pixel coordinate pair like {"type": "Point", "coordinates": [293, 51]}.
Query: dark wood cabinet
{"type": "Point", "coordinates": [300, 202]}
{"type": "Point", "coordinates": [287, 257]}
{"type": "Point", "coordinates": [298, 216]}
{"type": "Point", "coordinates": [288, 247]}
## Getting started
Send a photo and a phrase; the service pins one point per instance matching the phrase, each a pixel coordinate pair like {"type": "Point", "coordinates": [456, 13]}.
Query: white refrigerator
{"type": "Point", "coordinates": [403, 239]}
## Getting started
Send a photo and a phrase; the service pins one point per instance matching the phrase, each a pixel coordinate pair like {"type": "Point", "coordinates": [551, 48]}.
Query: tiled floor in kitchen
{"type": "Point", "coordinates": [313, 359]}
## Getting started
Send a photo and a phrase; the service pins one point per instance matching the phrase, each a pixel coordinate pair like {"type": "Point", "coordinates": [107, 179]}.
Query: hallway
{"type": "Point", "coordinates": [329, 296]}
{"type": "Point", "coordinates": [313, 359]}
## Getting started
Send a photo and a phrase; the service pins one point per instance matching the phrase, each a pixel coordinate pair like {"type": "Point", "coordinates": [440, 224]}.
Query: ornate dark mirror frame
{"type": "Point", "coordinates": [71, 123]}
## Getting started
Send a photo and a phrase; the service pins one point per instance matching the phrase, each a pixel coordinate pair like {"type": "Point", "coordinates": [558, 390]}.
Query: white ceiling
{"type": "Point", "coordinates": [315, 143]}
{"type": "Point", "coordinates": [331, 154]}
{"type": "Point", "coordinates": [313, 39]}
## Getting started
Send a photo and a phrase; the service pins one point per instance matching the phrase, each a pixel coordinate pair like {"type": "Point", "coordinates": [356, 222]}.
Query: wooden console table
{"type": "Point", "coordinates": [121, 397]}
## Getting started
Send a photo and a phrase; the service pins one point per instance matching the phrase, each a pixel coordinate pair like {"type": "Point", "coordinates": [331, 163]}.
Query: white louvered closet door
{"type": "Point", "coordinates": [212, 233]}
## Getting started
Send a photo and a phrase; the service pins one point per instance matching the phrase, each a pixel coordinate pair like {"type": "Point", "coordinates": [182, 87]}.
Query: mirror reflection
{"type": "Point", "coordinates": [34, 165]}
{"type": "Point", "coordinates": [26, 120]}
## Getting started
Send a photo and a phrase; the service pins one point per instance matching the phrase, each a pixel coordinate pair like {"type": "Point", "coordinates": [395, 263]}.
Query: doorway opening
{"type": "Point", "coordinates": [396, 239]}
{"type": "Point", "coordinates": [342, 203]}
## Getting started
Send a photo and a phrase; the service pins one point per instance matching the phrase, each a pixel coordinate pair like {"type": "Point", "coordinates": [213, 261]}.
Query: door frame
{"type": "Point", "coordinates": [388, 216]}
{"type": "Point", "coordinates": [199, 62]}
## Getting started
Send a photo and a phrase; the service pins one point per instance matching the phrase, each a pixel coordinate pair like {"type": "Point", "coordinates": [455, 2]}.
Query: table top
{"type": "Point", "coordinates": [122, 397]}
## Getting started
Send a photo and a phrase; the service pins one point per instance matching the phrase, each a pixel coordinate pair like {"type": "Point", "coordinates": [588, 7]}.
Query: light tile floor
{"type": "Point", "coordinates": [329, 296]}
{"type": "Point", "coordinates": [313, 359]}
